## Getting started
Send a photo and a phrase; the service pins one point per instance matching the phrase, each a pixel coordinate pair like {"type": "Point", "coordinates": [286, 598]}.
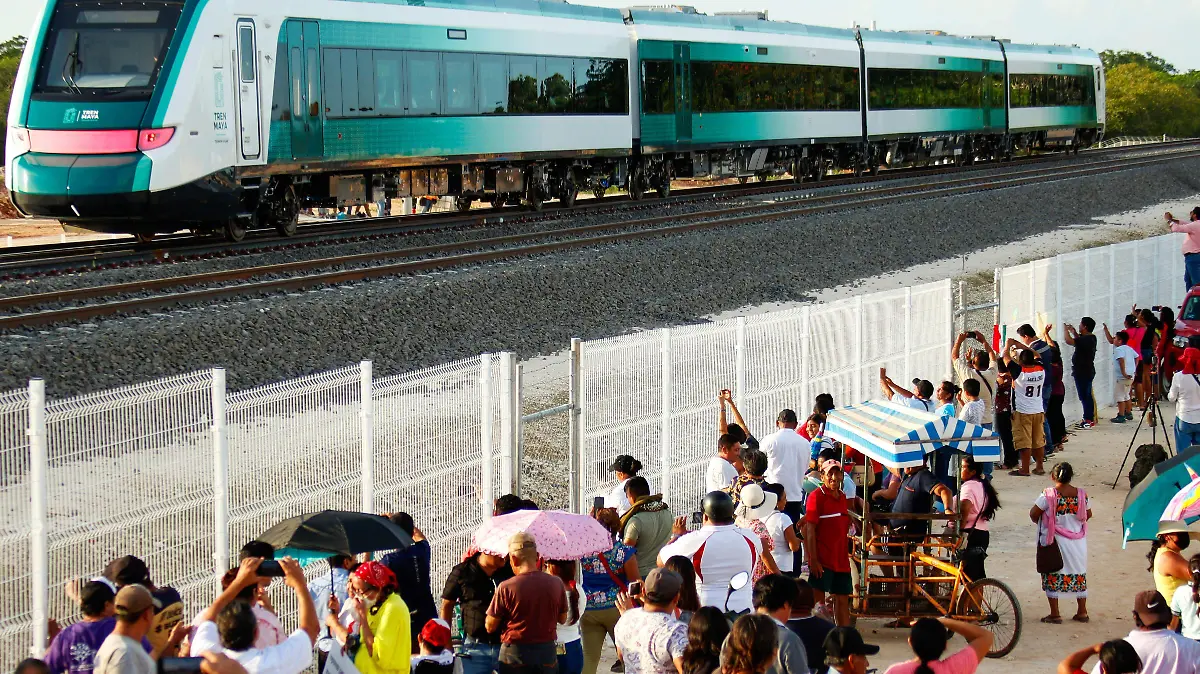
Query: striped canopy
{"type": "Point", "coordinates": [900, 437]}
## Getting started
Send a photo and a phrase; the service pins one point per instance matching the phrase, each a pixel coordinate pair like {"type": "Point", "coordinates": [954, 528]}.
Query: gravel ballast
{"type": "Point", "coordinates": [536, 305]}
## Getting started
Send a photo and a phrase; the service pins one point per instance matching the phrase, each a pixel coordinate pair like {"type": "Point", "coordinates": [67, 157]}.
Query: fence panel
{"type": "Point", "coordinates": [775, 366]}
{"type": "Point", "coordinates": [931, 322]}
{"type": "Point", "coordinates": [15, 578]}
{"type": "Point", "coordinates": [1016, 298]}
{"type": "Point", "coordinates": [429, 456]}
{"type": "Point", "coordinates": [885, 340]}
{"type": "Point", "coordinates": [621, 406]}
{"type": "Point", "coordinates": [1099, 305]}
{"type": "Point", "coordinates": [832, 331]}
{"type": "Point", "coordinates": [130, 473]}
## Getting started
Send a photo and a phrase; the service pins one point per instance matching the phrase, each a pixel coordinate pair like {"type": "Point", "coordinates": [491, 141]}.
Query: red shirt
{"type": "Point", "coordinates": [830, 514]}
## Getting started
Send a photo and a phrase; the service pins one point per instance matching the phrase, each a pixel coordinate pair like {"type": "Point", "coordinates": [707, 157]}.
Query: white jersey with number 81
{"type": "Point", "coordinates": [1027, 390]}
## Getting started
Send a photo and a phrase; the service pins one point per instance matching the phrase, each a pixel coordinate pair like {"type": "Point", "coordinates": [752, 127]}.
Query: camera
{"type": "Point", "coordinates": [635, 588]}
{"type": "Point", "coordinates": [269, 569]}
{"type": "Point", "coordinates": [179, 665]}
{"type": "Point", "coordinates": [598, 503]}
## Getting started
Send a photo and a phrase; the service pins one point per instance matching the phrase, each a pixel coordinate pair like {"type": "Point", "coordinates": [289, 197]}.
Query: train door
{"type": "Point", "coordinates": [249, 119]}
{"type": "Point", "coordinates": [683, 91]}
{"type": "Point", "coordinates": [987, 95]}
{"type": "Point", "coordinates": [304, 86]}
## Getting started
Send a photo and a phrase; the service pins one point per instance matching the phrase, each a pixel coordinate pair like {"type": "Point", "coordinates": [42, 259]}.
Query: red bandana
{"type": "Point", "coordinates": [376, 574]}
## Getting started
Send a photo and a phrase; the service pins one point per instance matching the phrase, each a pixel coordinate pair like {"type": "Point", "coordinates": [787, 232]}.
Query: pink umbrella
{"type": "Point", "coordinates": [559, 534]}
{"type": "Point", "coordinates": [1186, 503]}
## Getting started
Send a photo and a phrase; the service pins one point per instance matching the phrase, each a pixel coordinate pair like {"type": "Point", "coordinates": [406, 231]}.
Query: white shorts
{"type": "Point", "coordinates": [1122, 390]}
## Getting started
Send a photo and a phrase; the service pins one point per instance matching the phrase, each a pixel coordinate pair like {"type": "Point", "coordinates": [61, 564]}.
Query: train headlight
{"type": "Point", "coordinates": [152, 139]}
{"type": "Point", "coordinates": [18, 140]}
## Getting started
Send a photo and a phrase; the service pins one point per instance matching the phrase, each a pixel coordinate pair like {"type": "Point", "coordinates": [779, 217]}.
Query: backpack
{"type": "Point", "coordinates": [1145, 457]}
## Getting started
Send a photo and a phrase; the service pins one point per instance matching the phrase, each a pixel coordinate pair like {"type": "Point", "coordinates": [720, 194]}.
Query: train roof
{"type": "Point", "coordinates": [924, 38]}
{"type": "Point", "coordinates": [548, 8]}
{"type": "Point", "coordinates": [1050, 49]}
{"type": "Point", "coordinates": [747, 23]}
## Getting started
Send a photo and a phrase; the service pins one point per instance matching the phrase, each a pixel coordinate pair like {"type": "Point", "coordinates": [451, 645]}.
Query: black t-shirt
{"type": "Point", "coordinates": [915, 497]}
{"type": "Point", "coordinates": [1083, 362]}
{"type": "Point", "coordinates": [473, 589]}
{"type": "Point", "coordinates": [812, 631]}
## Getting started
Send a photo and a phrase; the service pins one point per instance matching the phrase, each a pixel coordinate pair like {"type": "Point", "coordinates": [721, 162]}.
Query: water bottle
{"type": "Point", "coordinates": [458, 623]}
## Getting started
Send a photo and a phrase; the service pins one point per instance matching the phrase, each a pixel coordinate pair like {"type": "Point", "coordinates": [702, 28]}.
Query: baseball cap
{"type": "Point", "coordinates": [436, 633]}
{"type": "Point", "coordinates": [128, 570]}
{"type": "Point", "coordinates": [133, 599]}
{"type": "Point", "coordinates": [842, 642]}
{"type": "Point", "coordinates": [521, 540]}
{"type": "Point", "coordinates": [1150, 606]}
{"type": "Point", "coordinates": [661, 586]}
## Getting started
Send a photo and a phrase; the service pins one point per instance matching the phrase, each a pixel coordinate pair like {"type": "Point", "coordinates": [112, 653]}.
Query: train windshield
{"type": "Point", "coordinates": [106, 49]}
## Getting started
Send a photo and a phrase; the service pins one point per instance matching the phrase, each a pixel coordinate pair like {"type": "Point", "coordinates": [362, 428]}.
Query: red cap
{"type": "Point", "coordinates": [436, 633]}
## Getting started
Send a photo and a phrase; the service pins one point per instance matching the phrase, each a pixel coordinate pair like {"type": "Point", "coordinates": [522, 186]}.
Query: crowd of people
{"type": "Point", "coordinates": [756, 580]}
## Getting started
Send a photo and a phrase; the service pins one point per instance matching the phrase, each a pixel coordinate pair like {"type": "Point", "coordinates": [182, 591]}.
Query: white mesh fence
{"type": "Point", "coordinates": [1103, 283]}
{"type": "Point", "coordinates": [653, 395]}
{"type": "Point", "coordinates": [15, 576]}
{"type": "Point", "coordinates": [135, 471]}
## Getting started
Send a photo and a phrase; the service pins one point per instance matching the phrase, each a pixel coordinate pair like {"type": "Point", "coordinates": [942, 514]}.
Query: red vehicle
{"type": "Point", "coordinates": [1188, 322]}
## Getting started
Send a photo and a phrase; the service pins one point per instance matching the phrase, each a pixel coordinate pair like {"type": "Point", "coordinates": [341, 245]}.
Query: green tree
{"type": "Point", "coordinates": [10, 58]}
{"type": "Point", "coordinates": [1143, 101]}
{"type": "Point", "coordinates": [1112, 59]}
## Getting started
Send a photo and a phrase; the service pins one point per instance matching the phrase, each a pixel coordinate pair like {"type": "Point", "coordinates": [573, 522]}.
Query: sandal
{"type": "Point", "coordinates": [1081, 618]}
{"type": "Point", "coordinates": [1017, 473]}
{"type": "Point", "coordinates": [1052, 620]}
{"type": "Point", "coordinates": [1039, 471]}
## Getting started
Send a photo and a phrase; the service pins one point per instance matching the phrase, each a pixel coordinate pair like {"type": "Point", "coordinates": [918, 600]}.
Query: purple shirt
{"type": "Point", "coordinates": [74, 649]}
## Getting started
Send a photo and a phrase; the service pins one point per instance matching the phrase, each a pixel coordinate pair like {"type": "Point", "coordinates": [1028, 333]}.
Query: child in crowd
{"type": "Point", "coordinates": [970, 411]}
{"type": "Point", "coordinates": [1125, 359]}
{"type": "Point", "coordinates": [783, 531]}
{"type": "Point", "coordinates": [436, 655]}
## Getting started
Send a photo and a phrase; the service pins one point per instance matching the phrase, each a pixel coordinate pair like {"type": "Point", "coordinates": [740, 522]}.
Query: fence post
{"type": "Point", "coordinates": [1032, 309]}
{"type": "Point", "coordinates": [664, 451]}
{"type": "Point", "coordinates": [220, 439]}
{"type": "Point", "coordinates": [39, 549]}
{"type": "Point", "coordinates": [907, 332]}
{"type": "Point", "coordinates": [739, 361]}
{"type": "Point", "coordinates": [1058, 298]}
{"type": "Point", "coordinates": [507, 424]}
{"type": "Point", "coordinates": [368, 436]}
{"type": "Point", "coordinates": [519, 429]}
{"type": "Point", "coordinates": [486, 495]}
{"type": "Point", "coordinates": [997, 274]}
{"type": "Point", "coordinates": [805, 351]}
{"type": "Point", "coordinates": [856, 387]}
{"type": "Point", "coordinates": [1112, 315]}
{"type": "Point", "coordinates": [962, 304]}
{"type": "Point", "coordinates": [575, 425]}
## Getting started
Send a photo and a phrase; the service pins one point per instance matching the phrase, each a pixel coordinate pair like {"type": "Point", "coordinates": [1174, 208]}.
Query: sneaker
{"type": "Point", "coordinates": [1129, 417]}
{"type": "Point", "coordinates": [1084, 425]}
{"type": "Point", "coordinates": [1119, 419]}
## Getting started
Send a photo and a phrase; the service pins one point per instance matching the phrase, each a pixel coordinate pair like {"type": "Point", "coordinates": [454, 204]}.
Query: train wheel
{"type": "Point", "coordinates": [598, 191]}
{"type": "Point", "coordinates": [235, 230]}
{"type": "Point", "coordinates": [144, 237]}
{"type": "Point", "coordinates": [664, 187]}
{"type": "Point", "coordinates": [497, 201]}
{"type": "Point", "coordinates": [742, 180]}
{"type": "Point", "coordinates": [570, 195]}
{"type": "Point", "coordinates": [797, 170]}
{"type": "Point", "coordinates": [534, 202]}
{"type": "Point", "coordinates": [463, 203]}
{"type": "Point", "coordinates": [637, 184]}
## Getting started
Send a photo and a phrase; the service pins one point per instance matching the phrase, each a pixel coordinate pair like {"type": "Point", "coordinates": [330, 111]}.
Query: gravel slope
{"type": "Point", "coordinates": [535, 306]}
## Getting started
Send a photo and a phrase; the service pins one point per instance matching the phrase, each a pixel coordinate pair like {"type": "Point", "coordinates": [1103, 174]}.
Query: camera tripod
{"type": "Point", "coordinates": [1156, 423]}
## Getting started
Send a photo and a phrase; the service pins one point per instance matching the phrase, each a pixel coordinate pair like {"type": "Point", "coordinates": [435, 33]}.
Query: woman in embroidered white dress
{"type": "Point", "coordinates": [1061, 513]}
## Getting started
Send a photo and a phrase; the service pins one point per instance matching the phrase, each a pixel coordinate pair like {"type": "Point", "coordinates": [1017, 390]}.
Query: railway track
{"type": "Point", "coordinates": [24, 262]}
{"type": "Point", "coordinates": [30, 311]}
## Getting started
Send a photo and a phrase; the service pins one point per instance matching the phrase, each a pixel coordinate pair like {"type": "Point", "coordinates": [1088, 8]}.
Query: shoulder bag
{"type": "Point", "coordinates": [1049, 557]}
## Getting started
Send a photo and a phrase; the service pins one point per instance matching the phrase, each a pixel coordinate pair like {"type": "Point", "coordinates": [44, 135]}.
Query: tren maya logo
{"type": "Point", "coordinates": [72, 115]}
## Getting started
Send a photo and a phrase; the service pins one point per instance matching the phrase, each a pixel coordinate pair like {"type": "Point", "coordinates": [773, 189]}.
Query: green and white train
{"type": "Point", "coordinates": [160, 115]}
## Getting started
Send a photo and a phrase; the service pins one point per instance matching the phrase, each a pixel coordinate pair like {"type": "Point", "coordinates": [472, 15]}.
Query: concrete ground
{"type": "Point", "coordinates": [1114, 575]}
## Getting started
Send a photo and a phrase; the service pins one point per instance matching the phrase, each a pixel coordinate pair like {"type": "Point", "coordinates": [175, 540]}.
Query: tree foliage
{"type": "Point", "coordinates": [1112, 59]}
{"type": "Point", "coordinates": [10, 58]}
{"type": "Point", "coordinates": [1145, 100]}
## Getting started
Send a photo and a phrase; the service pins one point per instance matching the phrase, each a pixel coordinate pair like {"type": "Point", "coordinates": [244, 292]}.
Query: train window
{"type": "Point", "coordinates": [331, 61]}
{"type": "Point", "coordinates": [658, 87]}
{"type": "Point", "coordinates": [423, 86]}
{"type": "Point", "coordinates": [601, 86]}
{"type": "Point", "coordinates": [297, 93]}
{"type": "Point", "coordinates": [313, 78]}
{"type": "Point", "coordinates": [349, 82]}
{"type": "Point", "coordinates": [459, 83]}
{"type": "Point", "coordinates": [522, 84]}
{"type": "Point", "coordinates": [246, 52]}
{"type": "Point", "coordinates": [557, 85]}
{"type": "Point", "coordinates": [904, 89]}
{"type": "Point", "coordinates": [492, 78]}
{"type": "Point", "coordinates": [1028, 91]}
{"type": "Point", "coordinates": [366, 83]}
{"type": "Point", "coordinates": [389, 83]}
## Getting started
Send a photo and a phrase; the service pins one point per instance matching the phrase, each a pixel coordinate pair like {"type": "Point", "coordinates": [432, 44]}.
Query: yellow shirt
{"type": "Point", "coordinates": [1166, 585]}
{"type": "Point", "coordinates": [393, 640]}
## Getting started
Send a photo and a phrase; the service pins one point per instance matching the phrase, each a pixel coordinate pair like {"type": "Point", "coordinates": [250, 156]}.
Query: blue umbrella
{"type": "Point", "coordinates": [1145, 503]}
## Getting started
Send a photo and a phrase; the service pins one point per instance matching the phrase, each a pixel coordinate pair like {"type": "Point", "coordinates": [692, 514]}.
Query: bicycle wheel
{"type": "Point", "coordinates": [1000, 613]}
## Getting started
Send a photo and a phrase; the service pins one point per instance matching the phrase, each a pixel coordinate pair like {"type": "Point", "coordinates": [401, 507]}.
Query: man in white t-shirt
{"type": "Point", "coordinates": [722, 469]}
{"type": "Point", "coordinates": [238, 625]}
{"type": "Point", "coordinates": [1161, 650]}
{"type": "Point", "coordinates": [1125, 360]}
{"type": "Point", "coordinates": [787, 460]}
{"type": "Point", "coordinates": [918, 398]}
{"type": "Point", "coordinates": [719, 551]}
{"type": "Point", "coordinates": [978, 366]}
{"type": "Point", "coordinates": [1028, 406]}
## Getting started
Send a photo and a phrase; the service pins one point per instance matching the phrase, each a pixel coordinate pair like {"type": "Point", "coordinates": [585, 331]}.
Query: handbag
{"type": "Point", "coordinates": [1049, 558]}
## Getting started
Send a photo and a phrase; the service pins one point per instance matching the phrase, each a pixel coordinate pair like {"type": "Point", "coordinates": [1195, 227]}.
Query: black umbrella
{"type": "Point", "coordinates": [337, 532]}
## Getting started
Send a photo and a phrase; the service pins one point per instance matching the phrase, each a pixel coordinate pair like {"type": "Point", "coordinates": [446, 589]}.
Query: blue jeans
{"type": "Point", "coordinates": [1083, 387]}
{"type": "Point", "coordinates": [477, 657]}
{"type": "Point", "coordinates": [572, 662]}
{"type": "Point", "coordinates": [1191, 270]}
{"type": "Point", "coordinates": [1186, 435]}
